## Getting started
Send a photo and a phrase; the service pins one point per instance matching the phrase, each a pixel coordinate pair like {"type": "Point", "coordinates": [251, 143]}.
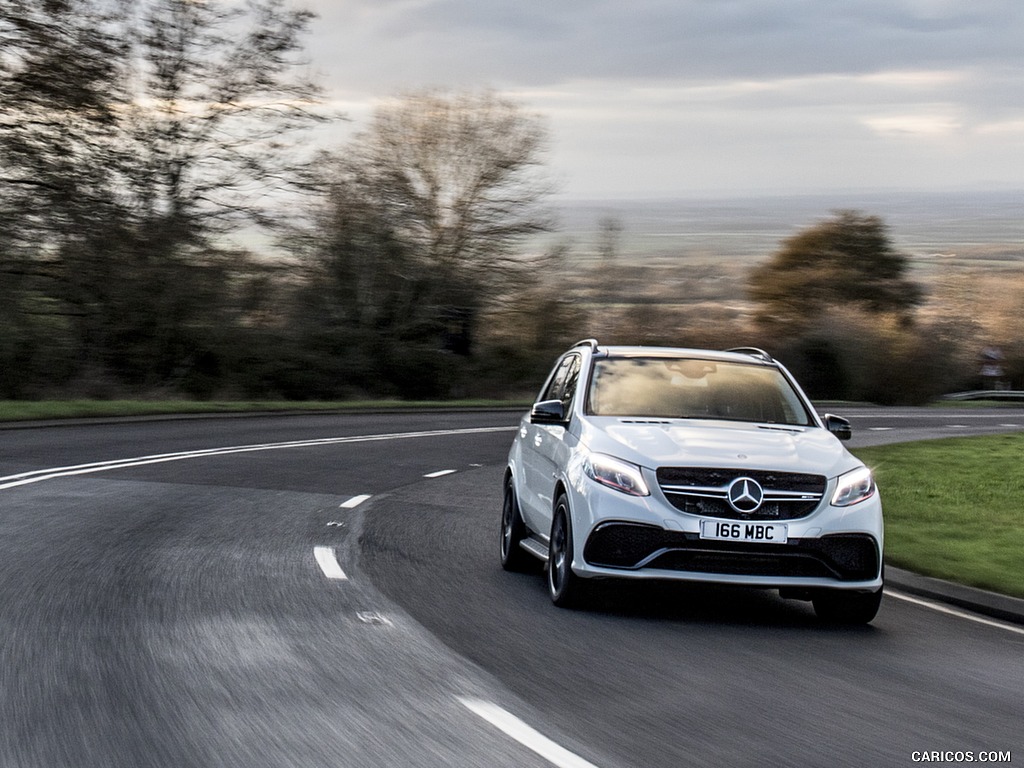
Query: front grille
{"type": "Point", "coordinates": [703, 491]}
{"type": "Point", "coordinates": [631, 546]}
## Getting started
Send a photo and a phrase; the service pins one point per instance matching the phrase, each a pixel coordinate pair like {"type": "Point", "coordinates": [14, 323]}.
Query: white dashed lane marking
{"type": "Point", "coordinates": [441, 473]}
{"type": "Point", "coordinates": [328, 563]}
{"type": "Point", "coordinates": [355, 501]}
{"type": "Point", "coordinates": [512, 726]}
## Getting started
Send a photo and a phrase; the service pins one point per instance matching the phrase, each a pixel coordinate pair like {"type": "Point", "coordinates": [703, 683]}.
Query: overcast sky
{"type": "Point", "coordinates": [656, 98]}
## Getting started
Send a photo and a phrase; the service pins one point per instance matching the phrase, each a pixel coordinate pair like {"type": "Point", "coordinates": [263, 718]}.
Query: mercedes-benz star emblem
{"type": "Point", "coordinates": [745, 495]}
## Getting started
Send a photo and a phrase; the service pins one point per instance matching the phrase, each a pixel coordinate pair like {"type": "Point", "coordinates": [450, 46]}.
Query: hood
{"type": "Point", "coordinates": [699, 443]}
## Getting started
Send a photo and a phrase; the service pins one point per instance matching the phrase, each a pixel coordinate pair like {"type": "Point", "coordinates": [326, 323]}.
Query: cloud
{"type": "Point", "coordinates": [923, 125]}
{"type": "Point", "coordinates": [691, 93]}
{"type": "Point", "coordinates": [1003, 128]}
{"type": "Point", "coordinates": [543, 42]}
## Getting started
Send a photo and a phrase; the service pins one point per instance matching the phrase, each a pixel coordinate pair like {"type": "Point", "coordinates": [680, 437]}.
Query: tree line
{"type": "Point", "coordinates": [144, 142]}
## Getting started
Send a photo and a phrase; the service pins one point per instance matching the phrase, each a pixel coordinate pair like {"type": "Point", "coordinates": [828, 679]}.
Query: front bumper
{"type": "Point", "coordinates": [620, 536]}
{"type": "Point", "coordinates": [625, 546]}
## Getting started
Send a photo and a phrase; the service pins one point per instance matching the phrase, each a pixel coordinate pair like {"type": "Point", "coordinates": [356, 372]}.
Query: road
{"type": "Point", "coordinates": [324, 590]}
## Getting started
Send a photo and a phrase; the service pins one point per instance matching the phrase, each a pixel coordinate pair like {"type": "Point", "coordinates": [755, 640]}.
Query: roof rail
{"type": "Point", "coordinates": [592, 343]}
{"type": "Point", "coordinates": [753, 352]}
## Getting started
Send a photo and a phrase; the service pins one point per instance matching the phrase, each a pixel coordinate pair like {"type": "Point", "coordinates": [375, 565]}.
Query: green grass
{"type": "Point", "coordinates": [17, 410]}
{"type": "Point", "coordinates": [954, 508]}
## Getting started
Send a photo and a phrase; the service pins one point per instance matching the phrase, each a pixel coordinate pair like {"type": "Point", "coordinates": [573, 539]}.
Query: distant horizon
{"type": "Point", "coordinates": [759, 194]}
{"type": "Point", "coordinates": [922, 222]}
{"type": "Point", "coordinates": [925, 221]}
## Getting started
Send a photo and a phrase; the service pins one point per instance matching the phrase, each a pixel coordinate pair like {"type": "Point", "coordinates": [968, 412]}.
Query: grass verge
{"type": "Point", "coordinates": [953, 508]}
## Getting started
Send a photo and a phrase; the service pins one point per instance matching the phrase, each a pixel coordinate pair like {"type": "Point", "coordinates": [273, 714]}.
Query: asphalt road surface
{"type": "Point", "coordinates": [324, 591]}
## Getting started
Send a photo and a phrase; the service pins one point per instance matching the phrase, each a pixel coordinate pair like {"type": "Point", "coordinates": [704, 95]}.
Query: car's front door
{"type": "Point", "coordinates": [546, 447]}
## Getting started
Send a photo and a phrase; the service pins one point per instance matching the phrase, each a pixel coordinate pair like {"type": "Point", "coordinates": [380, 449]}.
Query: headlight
{"type": "Point", "coordinates": [615, 473]}
{"type": "Point", "coordinates": [853, 488]}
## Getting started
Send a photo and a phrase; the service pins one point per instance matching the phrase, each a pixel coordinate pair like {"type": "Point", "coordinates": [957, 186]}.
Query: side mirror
{"type": "Point", "coordinates": [548, 412]}
{"type": "Point", "coordinates": [838, 426]}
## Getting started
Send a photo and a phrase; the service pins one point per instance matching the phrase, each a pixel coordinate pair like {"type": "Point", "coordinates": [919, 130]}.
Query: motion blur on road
{"type": "Point", "coordinates": [217, 200]}
{"type": "Point", "coordinates": [303, 590]}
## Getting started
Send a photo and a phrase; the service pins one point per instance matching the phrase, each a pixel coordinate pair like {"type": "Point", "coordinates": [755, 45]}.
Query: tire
{"type": "Point", "coordinates": [839, 607]}
{"type": "Point", "coordinates": [565, 588]}
{"type": "Point", "coordinates": [513, 530]}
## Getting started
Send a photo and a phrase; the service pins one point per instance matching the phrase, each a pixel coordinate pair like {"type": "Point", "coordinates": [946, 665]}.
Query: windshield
{"type": "Point", "coordinates": [694, 388]}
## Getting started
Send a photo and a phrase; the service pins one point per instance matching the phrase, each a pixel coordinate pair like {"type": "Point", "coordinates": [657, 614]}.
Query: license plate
{"type": "Point", "coordinates": [760, 533]}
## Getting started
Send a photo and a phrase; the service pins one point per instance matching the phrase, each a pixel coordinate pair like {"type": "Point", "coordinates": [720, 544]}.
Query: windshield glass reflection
{"type": "Point", "coordinates": [694, 389]}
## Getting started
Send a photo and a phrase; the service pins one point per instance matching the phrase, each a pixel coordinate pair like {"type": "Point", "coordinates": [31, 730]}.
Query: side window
{"type": "Point", "coordinates": [571, 380]}
{"type": "Point", "coordinates": [563, 383]}
{"type": "Point", "coordinates": [557, 383]}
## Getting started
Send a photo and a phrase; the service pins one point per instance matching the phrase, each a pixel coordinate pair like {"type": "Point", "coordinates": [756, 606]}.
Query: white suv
{"type": "Point", "coordinates": [693, 465]}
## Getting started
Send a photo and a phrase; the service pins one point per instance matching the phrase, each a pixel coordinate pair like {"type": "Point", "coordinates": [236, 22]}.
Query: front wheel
{"type": "Point", "coordinates": [513, 531]}
{"type": "Point", "coordinates": [840, 607]}
{"type": "Point", "coordinates": [565, 588]}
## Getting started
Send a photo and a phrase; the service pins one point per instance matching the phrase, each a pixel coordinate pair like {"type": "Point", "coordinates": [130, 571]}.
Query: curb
{"type": "Point", "coordinates": [981, 601]}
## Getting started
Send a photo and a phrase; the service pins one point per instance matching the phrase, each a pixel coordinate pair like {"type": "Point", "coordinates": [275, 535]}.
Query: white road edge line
{"type": "Point", "coordinates": [329, 563]}
{"type": "Point", "coordinates": [40, 475]}
{"type": "Point", "coordinates": [355, 501]}
{"type": "Point", "coordinates": [512, 726]}
{"type": "Point", "coordinates": [441, 473]}
{"type": "Point", "coordinates": [954, 612]}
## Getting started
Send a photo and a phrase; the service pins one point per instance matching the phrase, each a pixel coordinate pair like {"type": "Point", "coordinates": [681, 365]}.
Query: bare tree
{"type": "Point", "coordinates": [216, 110]}
{"type": "Point", "coordinates": [462, 170]}
{"type": "Point", "coordinates": [61, 68]}
{"type": "Point", "coordinates": [131, 133]}
{"type": "Point", "coordinates": [429, 207]}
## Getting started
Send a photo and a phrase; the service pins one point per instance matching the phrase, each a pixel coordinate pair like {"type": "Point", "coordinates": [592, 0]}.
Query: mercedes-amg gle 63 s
{"type": "Point", "coordinates": [690, 465]}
